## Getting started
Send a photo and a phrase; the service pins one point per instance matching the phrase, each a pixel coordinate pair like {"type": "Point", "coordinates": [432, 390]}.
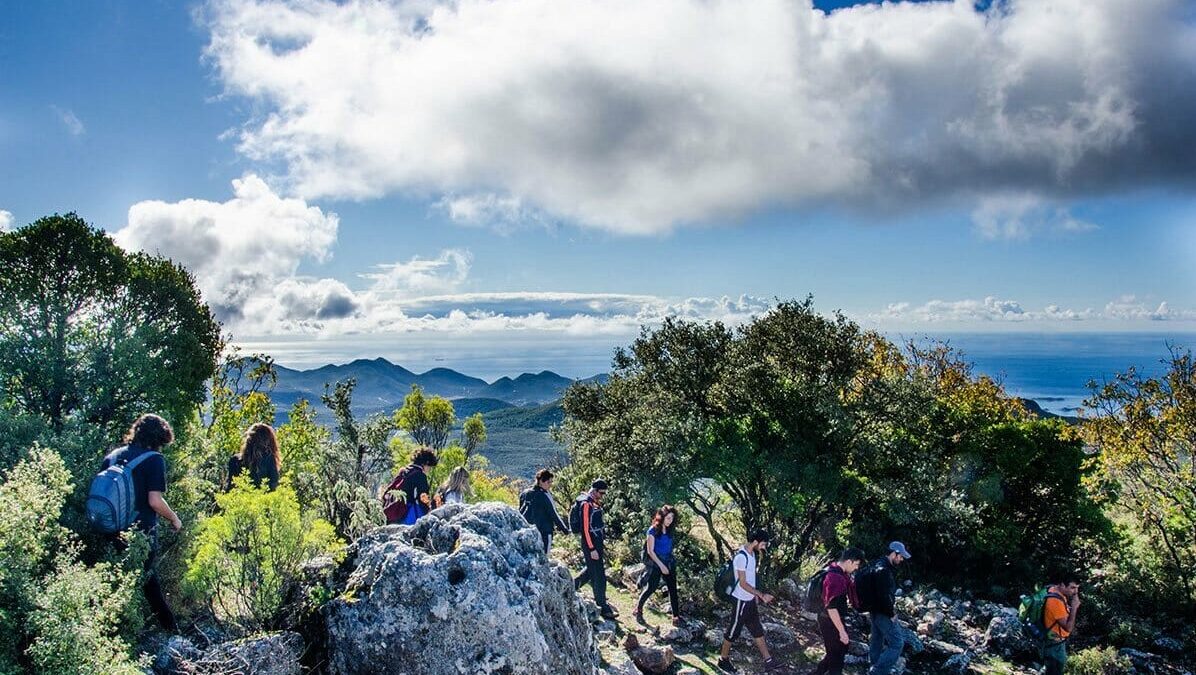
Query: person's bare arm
{"type": "Point", "coordinates": [742, 574]}
{"type": "Point", "coordinates": [650, 547]}
{"type": "Point", "coordinates": [1069, 624]}
{"type": "Point", "coordinates": [158, 503]}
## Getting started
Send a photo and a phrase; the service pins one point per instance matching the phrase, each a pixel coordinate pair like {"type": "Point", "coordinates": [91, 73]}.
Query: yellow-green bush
{"type": "Point", "coordinates": [245, 556]}
{"type": "Point", "coordinates": [1097, 661]}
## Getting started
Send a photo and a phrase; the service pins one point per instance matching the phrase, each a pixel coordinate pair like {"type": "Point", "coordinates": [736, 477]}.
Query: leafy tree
{"type": "Point", "coordinates": [90, 334]}
{"type": "Point", "coordinates": [473, 434]}
{"type": "Point", "coordinates": [1144, 431]}
{"type": "Point", "coordinates": [350, 467]}
{"type": "Point", "coordinates": [429, 419]}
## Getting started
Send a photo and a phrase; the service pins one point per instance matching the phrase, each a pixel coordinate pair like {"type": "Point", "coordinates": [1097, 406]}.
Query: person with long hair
{"type": "Point", "coordinates": [454, 488]}
{"type": "Point", "coordinates": [259, 456]}
{"type": "Point", "coordinates": [658, 556]}
{"type": "Point", "coordinates": [148, 435]}
{"type": "Point", "coordinates": [407, 498]}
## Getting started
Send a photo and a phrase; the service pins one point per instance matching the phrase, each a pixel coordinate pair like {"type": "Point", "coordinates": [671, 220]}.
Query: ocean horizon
{"type": "Point", "coordinates": [1054, 369]}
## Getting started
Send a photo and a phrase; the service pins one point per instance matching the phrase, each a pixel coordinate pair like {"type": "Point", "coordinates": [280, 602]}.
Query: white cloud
{"type": "Point", "coordinates": [1022, 215]}
{"type": "Point", "coordinates": [74, 126]}
{"type": "Point", "coordinates": [239, 250]}
{"type": "Point", "coordinates": [5, 221]}
{"type": "Point", "coordinates": [420, 276]}
{"type": "Point", "coordinates": [1126, 310]}
{"type": "Point", "coordinates": [639, 117]}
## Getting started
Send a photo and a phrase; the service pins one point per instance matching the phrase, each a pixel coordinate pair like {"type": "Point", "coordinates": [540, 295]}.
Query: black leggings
{"type": "Point", "coordinates": [670, 582]}
{"type": "Point", "coordinates": [151, 585]}
{"type": "Point", "coordinates": [836, 651]}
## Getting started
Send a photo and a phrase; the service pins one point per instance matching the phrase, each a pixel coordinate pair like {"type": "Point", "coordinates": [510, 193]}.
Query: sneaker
{"type": "Point", "coordinates": [771, 664]}
{"type": "Point", "coordinates": [609, 612]}
{"type": "Point", "coordinates": [726, 666]}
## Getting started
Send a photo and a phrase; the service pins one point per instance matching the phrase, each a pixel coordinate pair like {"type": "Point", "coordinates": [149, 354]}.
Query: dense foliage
{"type": "Point", "coordinates": [827, 435]}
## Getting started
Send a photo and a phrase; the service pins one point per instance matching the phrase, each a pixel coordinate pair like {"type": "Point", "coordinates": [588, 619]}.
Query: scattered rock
{"type": "Point", "coordinates": [960, 663]}
{"type": "Point", "coordinates": [1006, 638]}
{"type": "Point", "coordinates": [713, 637]}
{"type": "Point", "coordinates": [269, 654]}
{"type": "Point", "coordinates": [676, 634]}
{"type": "Point", "coordinates": [778, 635]}
{"type": "Point", "coordinates": [789, 590]}
{"type": "Point", "coordinates": [857, 648]}
{"type": "Point", "coordinates": [622, 666]}
{"type": "Point", "coordinates": [654, 660]}
{"type": "Point", "coordinates": [469, 584]}
{"type": "Point", "coordinates": [1169, 645]}
{"type": "Point", "coordinates": [632, 574]}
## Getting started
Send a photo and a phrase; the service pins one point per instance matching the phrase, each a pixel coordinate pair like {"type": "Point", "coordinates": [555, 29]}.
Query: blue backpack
{"type": "Point", "coordinates": [111, 498]}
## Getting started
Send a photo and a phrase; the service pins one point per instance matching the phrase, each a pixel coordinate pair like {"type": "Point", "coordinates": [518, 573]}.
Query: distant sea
{"type": "Point", "coordinates": [1051, 368]}
{"type": "Point", "coordinates": [1055, 368]}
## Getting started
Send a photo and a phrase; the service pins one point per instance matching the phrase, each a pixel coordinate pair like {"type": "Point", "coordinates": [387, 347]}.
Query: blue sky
{"type": "Point", "coordinates": [509, 174]}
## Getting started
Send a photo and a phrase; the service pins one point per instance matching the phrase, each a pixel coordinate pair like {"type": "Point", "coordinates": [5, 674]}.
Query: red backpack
{"type": "Point", "coordinates": [395, 508]}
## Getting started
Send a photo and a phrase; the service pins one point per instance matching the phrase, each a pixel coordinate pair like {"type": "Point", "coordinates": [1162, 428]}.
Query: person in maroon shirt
{"type": "Point", "coordinates": [838, 590]}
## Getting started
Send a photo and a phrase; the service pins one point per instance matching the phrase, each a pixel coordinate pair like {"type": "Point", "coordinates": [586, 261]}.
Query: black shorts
{"type": "Point", "coordinates": [746, 615]}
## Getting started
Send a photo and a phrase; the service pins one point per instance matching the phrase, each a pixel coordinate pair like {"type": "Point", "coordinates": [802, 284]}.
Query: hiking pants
{"type": "Point", "coordinates": [1055, 657]}
{"type": "Point", "coordinates": [595, 575]}
{"type": "Point", "coordinates": [654, 579]}
{"type": "Point", "coordinates": [836, 651]}
{"type": "Point", "coordinates": [884, 644]}
{"type": "Point", "coordinates": [546, 538]}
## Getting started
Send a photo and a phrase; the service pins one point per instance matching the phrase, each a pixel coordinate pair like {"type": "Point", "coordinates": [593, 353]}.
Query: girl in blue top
{"type": "Point", "coordinates": [658, 555]}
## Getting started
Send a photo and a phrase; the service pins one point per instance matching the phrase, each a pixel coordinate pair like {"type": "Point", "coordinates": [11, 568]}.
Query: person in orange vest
{"type": "Point", "coordinates": [586, 519]}
{"type": "Point", "coordinates": [1059, 617]}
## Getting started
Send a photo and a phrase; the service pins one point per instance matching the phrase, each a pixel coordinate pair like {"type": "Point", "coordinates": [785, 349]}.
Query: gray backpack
{"type": "Point", "coordinates": [111, 498]}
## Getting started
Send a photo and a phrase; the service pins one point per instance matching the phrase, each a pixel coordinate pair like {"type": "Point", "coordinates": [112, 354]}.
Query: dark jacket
{"type": "Point", "coordinates": [264, 472]}
{"type": "Point", "coordinates": [883, 587]}
{"type": "Point", "coordinates": [536, 506]}
{"type": "Point", "coordinates": [591, 524]}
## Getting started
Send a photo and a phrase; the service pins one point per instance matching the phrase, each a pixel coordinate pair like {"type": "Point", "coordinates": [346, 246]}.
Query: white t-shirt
{"type": "Point", "coordinates": [744, 562]}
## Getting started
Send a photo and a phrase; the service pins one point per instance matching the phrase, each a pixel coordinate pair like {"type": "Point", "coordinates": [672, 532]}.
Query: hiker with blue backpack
{"type": "Point", "coordinates": [877, 588]}
{"type": "Point", "coordinates": [661, 565]}
{"type": "Point", "coordinates": [834, 589]}
{"type": "Point", "coordinates": [585, 519]}
{"type": "Point", "coordinates": [1049, 617]}
{"type": "Point", "coordinates": [747, 598]}
{"type": "Point", "coordinates": [129, 492]}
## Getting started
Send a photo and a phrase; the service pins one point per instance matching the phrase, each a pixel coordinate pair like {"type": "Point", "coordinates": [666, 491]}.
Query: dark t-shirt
{"type": "Point", "coordinates": [265, 472]}
{"type": "Point", "coordinates": [416, 486]}
{"type": "Point", "coordinates": [148, 476]}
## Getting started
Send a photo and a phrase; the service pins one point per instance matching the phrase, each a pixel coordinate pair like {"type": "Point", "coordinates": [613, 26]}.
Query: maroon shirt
{"type": "Point", "coordinates": [838, 588]}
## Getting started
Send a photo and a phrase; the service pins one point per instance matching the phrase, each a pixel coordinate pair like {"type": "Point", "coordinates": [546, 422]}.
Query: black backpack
{"type": "Point", "coordinates": [812, 601]}
{"type": "Point", "coordinates": [724, 581]}
{"type": "Point", "coordinates": [575, 524]}
{"type": "Point", "coordinates": [866, 586]}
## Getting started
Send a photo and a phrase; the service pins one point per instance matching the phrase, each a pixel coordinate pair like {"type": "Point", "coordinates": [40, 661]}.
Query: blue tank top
{"type": "Point", "coordinates": [664, 545]}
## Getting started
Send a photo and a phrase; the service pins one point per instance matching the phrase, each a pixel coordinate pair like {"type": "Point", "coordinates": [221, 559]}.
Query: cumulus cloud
{"type": "Point", "coordinates": [1124, 310]}
{"type": "Point", "coordinates": [638, 117]}
{"type": "Point", "coordinates": [1023, 215]}
{"type": "Point", "coordinates": [239, 250]}
{"type": "Point", "coordinates": [5, 221]}
{"type": "Point", "coordinates": [74, 126]}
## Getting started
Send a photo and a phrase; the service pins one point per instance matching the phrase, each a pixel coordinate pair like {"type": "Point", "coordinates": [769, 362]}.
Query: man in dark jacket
{"type": "Point", "coordinates": [593, 550]}
{"type": "Point", "coordinates": [536, 505]}
{"type": "Point", "coordinates": [885, 642]}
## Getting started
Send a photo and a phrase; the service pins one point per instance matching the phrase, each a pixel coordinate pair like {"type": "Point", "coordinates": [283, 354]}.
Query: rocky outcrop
{"type": "Point", "coordinates": [467, 589]}
{"type": "Point", "coordinates": [270, 654]}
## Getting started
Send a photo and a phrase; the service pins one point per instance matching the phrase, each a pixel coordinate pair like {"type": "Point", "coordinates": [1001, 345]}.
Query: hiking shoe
{"type": "Point", "coordinates": [609, 612]}
{"type": "Point", "coordinates": [771, 664]}
{"type": "Point", "coordinates": [725, 666]}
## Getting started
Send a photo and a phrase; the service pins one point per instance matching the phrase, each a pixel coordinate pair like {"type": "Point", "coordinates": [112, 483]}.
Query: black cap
{"type": "Point", "coordinates": [598, 485]}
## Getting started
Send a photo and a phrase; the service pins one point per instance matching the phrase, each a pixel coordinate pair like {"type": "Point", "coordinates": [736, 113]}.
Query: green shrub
{"type": "Point", "coordinates": [245, 556]}
{"type": "Point", "coordinates": [31, 498]}
{"type": "Point", "coordinates": [78, 619]}
{"type": "Point", "coordinates": [1097, 661]}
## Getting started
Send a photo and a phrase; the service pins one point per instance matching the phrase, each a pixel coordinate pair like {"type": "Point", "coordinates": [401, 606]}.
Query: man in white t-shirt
{"type": "Point", "coordinates": [747, 599]}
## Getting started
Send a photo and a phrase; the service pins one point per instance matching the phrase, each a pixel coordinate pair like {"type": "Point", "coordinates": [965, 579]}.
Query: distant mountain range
{"type": "Point", "coordinates": [382, 385]}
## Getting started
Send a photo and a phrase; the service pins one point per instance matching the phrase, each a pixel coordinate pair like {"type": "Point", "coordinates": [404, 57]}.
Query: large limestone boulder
{"type": "Point", "coordinates": [467, 589]}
